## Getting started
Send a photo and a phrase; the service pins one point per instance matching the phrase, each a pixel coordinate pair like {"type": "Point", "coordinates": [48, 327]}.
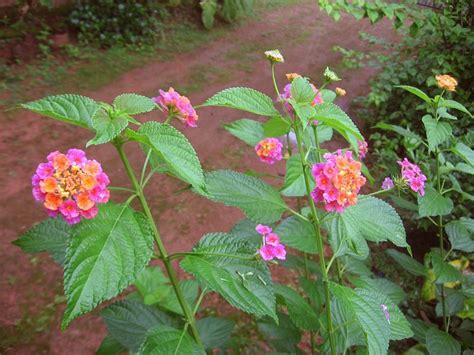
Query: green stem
{"type": "Point", "coordinates": [183, 254]}
{"type": "Point", "coordinates": [274, 80]}
{"type": "Point", "coordinates": [169, 268]}
{"type": "Point", "coordinates": [319, 240]}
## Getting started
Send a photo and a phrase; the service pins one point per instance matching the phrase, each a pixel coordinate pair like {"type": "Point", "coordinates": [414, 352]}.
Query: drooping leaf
{"type": "Point", "coordinates": [74, 109]}
{"type": "Point", "coordinates": [244, 99]}
{"type": "Point", "coordinates": [51, 235]}
{"type": "Point", "coordinates": [297, 233]}
{"type": "Point", "coordinates": [258, 200]}
{"type": "Point", "coordinates": [436, 132]}
{"type": "Point", "coordinates": [129, 321]}
{"type": "Point", "coordinates": [250, 131]}
{"type": "Point", "coordinates": [461, 234]}
{"type": "Point", "coordinates": [441, 343]}
{"type": "Point", "coordinates": [400, 130]}
{"type": "Point", "coordinates": [464, 152]}
{"type": "Point", "coordinates": [105, 255]}
{"type": "Point", "coordinates": [294, 185]}
{"type": "Point", "coordinates": [233, 272]}
{"type": "Point", "coordinates": [333, 116]}
{"type": "Point", "coordinates": [433, 203]}
{"type": "Point", "coordinates": [134, 104]}
{"type": "Point", "coordinates": [416, 92]}
{"type": "Point", "coordinates": [209, 8]}
{"type": "Point", "coordinates": [455, 105]}
{"type": "Point", "coordinates": [300, 312]}
{"type": "Point", "coordinates": [407, 263]}
{"type": "Point", "coordinates": [444, 272]}
{"type": "Point", "coordinates": [368, 314]}
{"type": "Point", "coordinates": [276, 126]}
{"type": "Point", "coordinates": [175, 150]}
{"type": "Point", "coordinates": [164, 340]}
{"type": "Point", "coordinates": [301, 91]}
{"type": "Point", "coordinates": [215, 332]}
{"type": "Point", "coordinates": [107, 126]}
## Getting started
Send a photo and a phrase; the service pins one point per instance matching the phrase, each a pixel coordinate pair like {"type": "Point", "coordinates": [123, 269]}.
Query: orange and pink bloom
{"type": "Point", "coordinates": [70, 185]}
{"type": "Point", "coordinates": [269, 150]}
{"type": "Point", "coordinates": [177, 106]}
{"type": "Point", "coordinates": [338, 181]}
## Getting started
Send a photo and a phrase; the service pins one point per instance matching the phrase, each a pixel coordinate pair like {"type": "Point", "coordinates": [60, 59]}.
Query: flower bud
{"type": "Point", "coordinates": [274, 56]}
{"type": "Point", "coordinates": [330, 76]}
{"type": "Point", "coordinates": [340, 92]}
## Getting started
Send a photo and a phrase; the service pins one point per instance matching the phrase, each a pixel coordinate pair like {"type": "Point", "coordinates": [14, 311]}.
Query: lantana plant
{"type": "Point", "coordinates": [314, 221]}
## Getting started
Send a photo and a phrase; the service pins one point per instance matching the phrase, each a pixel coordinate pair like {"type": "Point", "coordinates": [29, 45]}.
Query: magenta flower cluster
{"type": "Point", "coordinates": [413, 176]}
{"type": "Point", "coordinates": [177, 106]}
{"type": "Point", "coordinates": [271, 248]}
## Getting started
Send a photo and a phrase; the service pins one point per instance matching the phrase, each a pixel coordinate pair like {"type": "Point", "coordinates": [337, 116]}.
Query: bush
{"type": "Point", "coordinates": [106, 23]}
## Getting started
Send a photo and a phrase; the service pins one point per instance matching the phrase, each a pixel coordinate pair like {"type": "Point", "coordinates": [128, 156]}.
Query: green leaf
{"type": "Point", "coordinates": [305, 112]}
{"type": "Point", "coordinates": [301, 91]}
{"type": "Point", "coordinates": [328, 95]}
{"type": "Point", "coordinates": [250, 131]}
{"type": "Point", "coordinates": [349, 333]}
{"type": "Point", "coordinates": [388, 288]}
{"type": "Point", "coordinates": [170, 302]}
{"type": "Point", "coordinates": [276, 126]}
{"type": "Point", "coordinates": [464, 152]}
{"type": "Point", "coordinates": [245, 230]}
{"type": "Point", "coordinates": [368, 314]}
{"type": "Point", "coordinates": [297, 233]}
{"type": "Point", "coordinates": [407, 263]}
{"type": "Point", "coordinates": [166, 340]}
{"type": "Point", "coordinates": [444, 272]}
{"type": "Point", "coordinates": [133, 104]}
{"type": "Point", "coordinates": [110, 346]}
{"type": "Point", "coordinates": [51, 235]}
{"type": "Point", "coordinates": [399, 326]}
{"type": "Point", "coordinates": [209, 8]}
{"type": "Point", "coordinates": [441, 343]}
{"type": "Point", "coordinates": [436, 132]}
{"type": "Point", "coordinates": [258, 200]}
{"type": "Point", "coordinates": [234, 273]}
{"type": "Point", "coordinates": [175, 150]}
{"type": "Point", "coordinates": [107, 126]}
{"type": "Point", "coordinates": [416, 92]}
{"type": "Point", "coordinates": [215, 332]}
{"type": "Point", "coordinates": [104, 256]}
{"type": "Point", "coordinates": [372, 219]}
{"type": "Point", "coordinates": [294, 185]}
{"type": "Point", "coordinates": [74, 109]}
{"type": "Point", "coordinates": [284, 336]}
{"type": "Point", "coordinates": [454, 303]}
{"type": "Point", "coordinates": [432, 203]}
{"type": "Point", "coordinates": [244, 99]}
{"type": "Point", "coordinates": [334, 117]}
{"type": "Point", "coordinates": [461, 234]}
{"type": "Point", "coordinates": [400, 130]}
{"type": "Point", "coordinates": [300, 312]}
{"type": "Point", "coordinates": [129, 321]}
{"type": "Point", "coordinates": [454, 105]}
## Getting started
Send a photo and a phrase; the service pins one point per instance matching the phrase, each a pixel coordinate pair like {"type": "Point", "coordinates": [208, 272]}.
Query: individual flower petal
{"type": "Point", "coordinates": [279, 252]}
{"type": "Point", "coordinates": [272, 239]}
{"type": "Point", "coordinates": [76, 157]}
{"type": "Point", "coordinates": [266, 252]}
{"type": "Point", "coordinates": [263, 229]}
{"type": "Point", "coordinates": [387, 184]}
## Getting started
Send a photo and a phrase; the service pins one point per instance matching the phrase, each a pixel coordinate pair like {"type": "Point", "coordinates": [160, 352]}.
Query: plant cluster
{"type": "Point", "coordinates": [433, 41]}
{"type": "Point", "coordinates": [315, 222]}
{"type": "Point", "coordinates": [229, 10]}
{"type": "Point", "coordinates": [107, 23]}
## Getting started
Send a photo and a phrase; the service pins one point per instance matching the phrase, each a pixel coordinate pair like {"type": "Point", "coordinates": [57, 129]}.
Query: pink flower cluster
{"type": "Point", "coordinates": [177, 106]}
{"type": "Point", "coordinates": [338, 181]}
{"type": "Point", "coordinates": [413, 176]}
{"type": "Point", "coordinates": [286, 95]}
{"type": "Point", "coordinates": [271, 247]}
{"type": "Point", "coordinates": [70, 185]}
{"type": "Point", "coordinates": [363, 149]}
{"type": "Point", "coordinates": [269, 150]}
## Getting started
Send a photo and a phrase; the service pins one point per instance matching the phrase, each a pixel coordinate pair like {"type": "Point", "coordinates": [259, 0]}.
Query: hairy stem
{"type": "Point", "coordinates": [319, 241]}
{"type": "Point", "coordinates": [161, 248]}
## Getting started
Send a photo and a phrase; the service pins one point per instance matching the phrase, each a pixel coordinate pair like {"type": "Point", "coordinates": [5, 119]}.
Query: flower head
{"type": "Point", "coordinates": [70, 185]}
{"type": "Point", "coordinates": [387, 184]}
{"type": "Point", "coordinates": [274, 56]}
{"type": "Point", "coordinates": [269, 150]}
{"type": "Point", "coordinates": [338, 181]}
{"type": "Point", "coordinates": [413, 176]}
{"type": "Point", "coordinates": [446, 82]}
{"type": "Point", "coordinates": [177, 106]}
{"type": "Point", "coordinates": [330, 75]}
{"type": "Point", "coordinates": [340, 92]}
{"type": "Point", "coordinates": [363, 149]}
{"type": "Point", "coordinates": [271, 248]}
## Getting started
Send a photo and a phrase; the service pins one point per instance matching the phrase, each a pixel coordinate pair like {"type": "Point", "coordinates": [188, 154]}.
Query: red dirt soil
{"type": "Point", "coordinates": [305, 36]}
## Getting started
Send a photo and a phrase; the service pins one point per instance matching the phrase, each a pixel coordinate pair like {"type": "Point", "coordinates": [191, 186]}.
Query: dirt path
{"type": "Point", "coordinates": [31, 299]}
